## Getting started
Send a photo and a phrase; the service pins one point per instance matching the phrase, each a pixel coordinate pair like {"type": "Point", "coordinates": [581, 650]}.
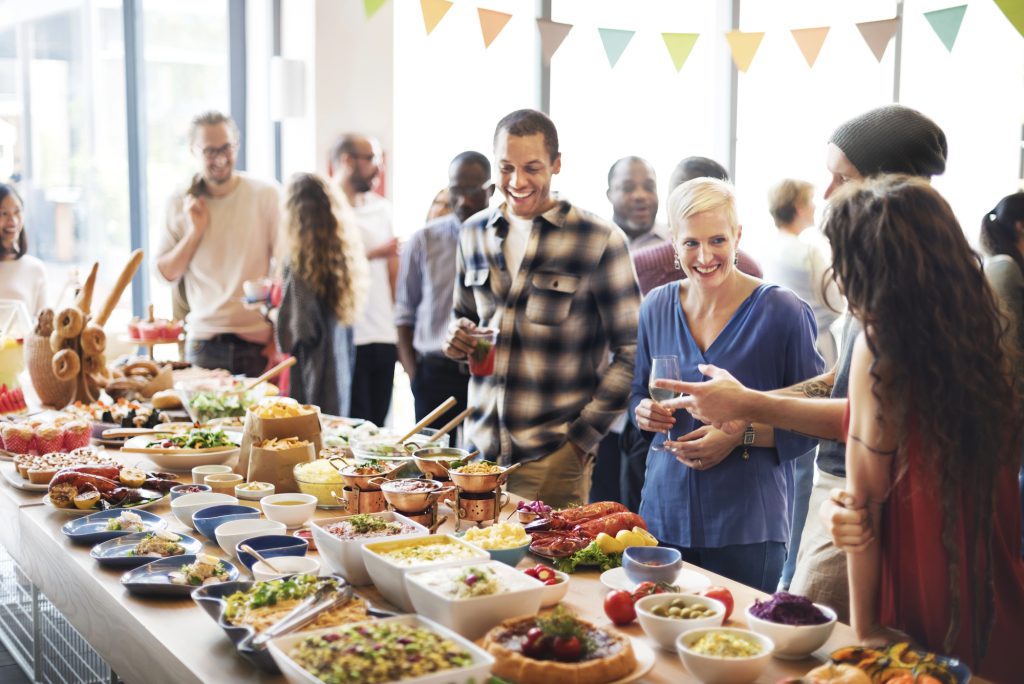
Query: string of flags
{"type": "Point", "coordinates": [743, 45]}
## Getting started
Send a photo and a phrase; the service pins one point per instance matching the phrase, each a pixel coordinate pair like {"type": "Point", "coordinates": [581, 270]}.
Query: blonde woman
{"type": "Point", "coordinates": [324, 275]}
{"type": "Point", "coordinates": [722, 499]}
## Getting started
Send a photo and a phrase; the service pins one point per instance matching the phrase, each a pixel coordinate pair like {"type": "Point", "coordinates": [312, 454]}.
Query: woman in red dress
{"type": "Point", "coordinates": [934, 432]}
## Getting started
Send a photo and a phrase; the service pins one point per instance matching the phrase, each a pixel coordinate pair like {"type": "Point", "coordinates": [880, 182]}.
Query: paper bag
{"type": "Point", "coordinates": [276, 466]}
{"type": "Point", "coordinates": [257, 429]}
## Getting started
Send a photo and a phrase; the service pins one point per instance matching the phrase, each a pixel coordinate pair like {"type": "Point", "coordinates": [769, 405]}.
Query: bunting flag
{"type": "Point", "coordinates": [679, 46]}
{"type": "Point", "coordinates": [433, 12]}
{"type": "Point", "coordinates": [744, 46]}
{"type": "Point", "coordinates": [810, 40]}
{"type": "Point", "coordinates": [371, 7]}
{"type": "Point", "coordinates": [491, 23]}
{"type": "Point", "coordinates": [946, 23]}
{"type": "Point", "coordinates": [1014, 11]}
{"type": "Point", "coordinates": [615, 42]}
{"type": "Point", "coordinates": [551, 36]}
{"type": "Point", "coordinates": [878, 34]}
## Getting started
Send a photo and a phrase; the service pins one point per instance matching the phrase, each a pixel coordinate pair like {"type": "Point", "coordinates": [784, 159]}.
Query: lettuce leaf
{"type": "Point", "coordinates": [589, 555]}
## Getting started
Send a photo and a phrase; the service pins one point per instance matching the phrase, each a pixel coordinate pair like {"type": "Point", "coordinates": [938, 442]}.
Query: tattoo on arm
{"type": "Point", "coordinates": [815, 389]}
{"type": "Point", "coordinates": [880, 452]}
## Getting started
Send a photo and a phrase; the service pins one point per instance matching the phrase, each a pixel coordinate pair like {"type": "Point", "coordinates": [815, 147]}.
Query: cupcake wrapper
{"type": "Point", "coordinates": [76, 440]}
{"type": "Point", "coordinates": [17, 444]}
{"type": "Point", "coordinates": [49, 445]}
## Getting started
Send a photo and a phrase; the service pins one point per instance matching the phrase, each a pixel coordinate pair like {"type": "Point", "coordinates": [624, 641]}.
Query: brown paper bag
{"type": "Point", "coordinates": [276, 466]}
{"type": "Point", "coordinates": [257, 429]}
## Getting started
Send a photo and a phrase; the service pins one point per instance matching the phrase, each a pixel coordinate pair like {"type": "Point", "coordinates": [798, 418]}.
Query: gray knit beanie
{"type": "Point", "coordinates": [893, 139]}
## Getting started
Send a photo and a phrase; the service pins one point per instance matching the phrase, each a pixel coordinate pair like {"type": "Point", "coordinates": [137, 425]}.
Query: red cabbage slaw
{"type": "Point", "coordinates": [788, 609]}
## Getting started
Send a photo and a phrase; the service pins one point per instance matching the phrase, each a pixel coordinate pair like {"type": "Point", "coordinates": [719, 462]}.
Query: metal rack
{"type": "Point", "coordinates": [45, 645]}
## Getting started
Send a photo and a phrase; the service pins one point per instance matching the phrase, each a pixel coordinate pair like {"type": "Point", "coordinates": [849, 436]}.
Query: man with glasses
{"type": "Point", "coordinates": [353, 165]}
{"type": "Point", "coordinates": [219, 233]}
{"type": "Point", "coordinates": [426, 279]}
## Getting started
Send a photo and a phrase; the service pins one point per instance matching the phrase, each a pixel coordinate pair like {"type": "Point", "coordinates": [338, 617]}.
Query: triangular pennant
{"type": "Point", "coordinates": [679, 46]}
{"type": "Point", "coordinates": [551, 36]}
{"type": "Point", "coordinates": [491, 23]}
{"type": "Point", "coordinates": [615, 42]}
{"type": "Point", "coordinates": [744, 46]}
{"type": "Point", "coordinates": [371, 7]}
{"type": "Point", "coordinates": [946, 23]}
{"type": "Point", "coordinates": [1014, 11]}
{"type": "Point", "coordinates": [810, 40]}
{"type": "Point", "coordinates": [877, 34]}
{"type": "Point", "coordinates": [433, 12]}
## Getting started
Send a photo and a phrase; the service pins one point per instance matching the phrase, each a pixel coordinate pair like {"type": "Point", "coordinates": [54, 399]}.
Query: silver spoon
{"type": "Point", "coordinates": [248, 549]}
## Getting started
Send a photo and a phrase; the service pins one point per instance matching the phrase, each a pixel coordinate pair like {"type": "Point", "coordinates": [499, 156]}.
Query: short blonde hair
{"type": "Point", "coordinates": [699, 195]}
{"type": "Point", "coordinates": [785, 197]}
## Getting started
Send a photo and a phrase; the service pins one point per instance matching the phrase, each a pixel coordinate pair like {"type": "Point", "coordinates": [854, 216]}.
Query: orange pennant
{"type": "Point", "coordinates": [810, 40]}
{"type": "Point", "coordinates": [878, 35]}
{"type": "Point", "coordinates": [433, 12]}
{"type": "Point", "coordinates": [744, 46]}
{"type": "Point", "coordinates": [491, 23]}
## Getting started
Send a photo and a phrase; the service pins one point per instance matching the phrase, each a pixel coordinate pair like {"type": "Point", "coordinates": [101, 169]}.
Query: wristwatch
{"type": "Point", "coordinates": [749, 435]}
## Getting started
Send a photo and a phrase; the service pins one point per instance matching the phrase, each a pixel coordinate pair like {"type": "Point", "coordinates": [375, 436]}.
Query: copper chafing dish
{"type": "Point", "coordinates": [481, 483]}
{"type": "Point", "coordinates": [411, 494]}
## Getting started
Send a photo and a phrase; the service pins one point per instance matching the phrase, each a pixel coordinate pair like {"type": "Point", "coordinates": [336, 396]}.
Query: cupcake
{"type": "Point", "coordinates": [17, 438]}
{"type": "Point", "coordinates": [77, 434]}
{"type": "Point", "coordinates": [49, 438]}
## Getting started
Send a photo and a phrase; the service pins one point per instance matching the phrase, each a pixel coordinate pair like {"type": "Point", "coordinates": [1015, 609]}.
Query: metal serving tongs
{"type": "Point", "coordinates": [325, 598]}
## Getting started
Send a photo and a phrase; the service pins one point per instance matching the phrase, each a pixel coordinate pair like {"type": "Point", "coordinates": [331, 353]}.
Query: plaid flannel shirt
{"type": "Point", "coordinates": [574, 300]}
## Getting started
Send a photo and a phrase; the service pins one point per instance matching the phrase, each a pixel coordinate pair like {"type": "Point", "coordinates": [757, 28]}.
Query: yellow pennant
{"type": "Point", "coordinates": [744, 46]}
{"type": "Point", "coordinates": [433, 12]}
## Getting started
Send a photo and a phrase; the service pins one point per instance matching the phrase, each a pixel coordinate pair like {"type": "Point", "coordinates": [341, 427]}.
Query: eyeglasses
{"type": "Point", "coordinates": [463, 191]}
{"type": "Point", "coordinates": [363, 157]}
{"type": "Point", "coordinates": [211, 153]}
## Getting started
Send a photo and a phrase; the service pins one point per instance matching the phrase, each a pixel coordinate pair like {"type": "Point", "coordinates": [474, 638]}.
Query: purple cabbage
{"type": "Point", "coordinates": [788, 609]}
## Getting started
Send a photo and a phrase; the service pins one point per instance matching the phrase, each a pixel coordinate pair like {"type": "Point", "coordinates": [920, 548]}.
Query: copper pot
{"type": "Point", "coordinates": [398, 494]}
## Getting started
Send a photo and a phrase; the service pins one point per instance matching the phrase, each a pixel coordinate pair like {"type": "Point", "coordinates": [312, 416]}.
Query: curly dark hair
{"type": "Point", "coordinates": [913, 280]}
{"type": "Point", "coordinates": [999, 234]}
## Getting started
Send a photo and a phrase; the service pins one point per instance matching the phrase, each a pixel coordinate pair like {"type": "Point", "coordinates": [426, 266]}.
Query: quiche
{"type": "Point", "coordinates": [608, 656]}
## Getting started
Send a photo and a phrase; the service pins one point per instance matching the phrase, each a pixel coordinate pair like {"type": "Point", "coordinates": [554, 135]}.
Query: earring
{"type": "Point", "coordinates": [676, 263]}
{"type": "Point", "coordinates": [735, 259]}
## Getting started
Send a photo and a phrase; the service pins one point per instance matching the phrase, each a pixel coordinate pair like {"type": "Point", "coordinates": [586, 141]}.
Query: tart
{"type": "Point", "coordinates": [608, 656]}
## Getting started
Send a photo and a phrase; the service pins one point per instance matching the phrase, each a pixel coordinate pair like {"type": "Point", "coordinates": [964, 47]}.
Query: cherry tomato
{"type": "Point", "coordinates": [553, 580]}
{"type": "Point", "coordinates": [648, 588]}
{"type": "Point", "coordinates": [532, 572]}
{"type": "Point", "coordinates": [618, 606]}
{"type": "Point", "coordinates": [568, 649]}
{"type": "Point", "coordinates": [720, 594]}
{"type": "Point", "coordinates": [536, 644]}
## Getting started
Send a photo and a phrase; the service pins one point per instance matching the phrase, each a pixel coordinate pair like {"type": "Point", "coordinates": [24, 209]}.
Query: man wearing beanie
{"type": "Point", "coordinates": [889, 139]}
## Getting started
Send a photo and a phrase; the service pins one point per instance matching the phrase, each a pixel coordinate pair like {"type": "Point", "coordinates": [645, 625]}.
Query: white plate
{"type": "Point", "coordinates": [176, 461]}
{"type": "Point", "coordinates": [686, 580]}
{"type": "Point", "coordinates": [78, 511]}
{"type": "Point", "coordinates": [644, 662]}
{"type": "Point", "coordinates": [14, 478]}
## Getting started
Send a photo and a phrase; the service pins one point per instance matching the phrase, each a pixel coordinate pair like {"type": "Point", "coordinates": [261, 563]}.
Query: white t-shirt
{"type": "Point", "coordinates": [24, 280]}
{"type": "Point", "coordinates": [516, 242]}
{"type": "Point", "coordinates": [238, 245]}
{"type": "Point", "coordinates": [376, 325]}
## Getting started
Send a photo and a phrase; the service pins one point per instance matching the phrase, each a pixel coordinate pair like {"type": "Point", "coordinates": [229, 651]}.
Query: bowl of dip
{"type": "Point", "coordinates": [253, 491]}
{"type": "Point", "coordinates": [724, 655]}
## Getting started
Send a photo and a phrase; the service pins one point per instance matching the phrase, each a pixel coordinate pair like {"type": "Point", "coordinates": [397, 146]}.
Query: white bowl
{"type": "Point", "coordinates": [344, 556]}
{"type": "Point", "coordinates": [234, 531]}
{"type": "Point", "coordinates": [665, 630]}
{"type": "Point", "coordinates": [473, 617]}
{"type": "Point", "coordinates": [286, 565]}
{"type": "Point", "coordinates": [184, 507]}
{"type": "Point", "coordinates": [199, 473]}
{"type": "Point", "coordinates": [176, 462]}
{"type": "Point", "coordinates": [292, 516]}
{"type": "Point", "coordinates": [554, 593]}
{"type": "Point", "coordinates": [794, 642]}
{"type": "Point", "coordinates": [718, 670]}
{"type": "Point", "coordinates": [252, 495]}
{"type": "Point", "coordinates": [389, 576]}
{"type": "Point", "coordinates": [477, 671]}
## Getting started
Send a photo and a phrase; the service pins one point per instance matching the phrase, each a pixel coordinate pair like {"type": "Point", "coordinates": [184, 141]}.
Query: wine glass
{"type": "Point", "coordinates": [664, 368]}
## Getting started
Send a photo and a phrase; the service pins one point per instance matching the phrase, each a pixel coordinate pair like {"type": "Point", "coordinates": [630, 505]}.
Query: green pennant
{"type": "Point", "coordinates": [946, 23]}
{"type": "Point", "coordinates": [679, 46]}
{"type": "Point", "coordinates": [1014, 11]}
{"type": "Point", "coordinates": [615, 42]}
{"type": "Point", "coordinates": [371, 7]}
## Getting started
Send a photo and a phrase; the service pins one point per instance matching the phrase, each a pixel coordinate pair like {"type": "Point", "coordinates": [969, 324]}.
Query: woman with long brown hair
{"type": "Point", "coordinates": [324, 283]}
{"type": "Point", "coordinates": [934, 430]}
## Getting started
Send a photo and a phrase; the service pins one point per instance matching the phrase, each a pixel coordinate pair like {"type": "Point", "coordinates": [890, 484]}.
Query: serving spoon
{"type": "Point", "coordinates": [256, 554]}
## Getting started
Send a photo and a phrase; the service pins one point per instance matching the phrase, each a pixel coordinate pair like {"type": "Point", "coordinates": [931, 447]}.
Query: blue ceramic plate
{"type": "Point", "coordinates": [120, 552]}
{"type": "Point", "coordinates": [154, 579]}
{"type": "Point", "coordinates": [92, 529]}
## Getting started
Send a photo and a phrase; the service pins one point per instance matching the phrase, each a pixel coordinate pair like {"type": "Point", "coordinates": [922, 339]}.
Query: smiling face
{"type": "Point", "coordinates": [841, 168]}
{"type": "Point", "coordinates": [525, 170]}
{"type": "Point", "coordinates": [215, 147]}
{"type": "Point", "coordinates": [11, 223]}
{"type": "Point", "coordinates": [633, 192]}
{"type": "Point", "coordinates": [706, 245]}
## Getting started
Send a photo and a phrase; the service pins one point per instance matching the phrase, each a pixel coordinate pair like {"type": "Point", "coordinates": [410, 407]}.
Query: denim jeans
{"type": "Point", "coordinates": [238, 356]}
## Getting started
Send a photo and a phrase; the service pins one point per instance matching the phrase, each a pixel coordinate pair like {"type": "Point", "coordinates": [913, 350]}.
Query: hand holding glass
{"type": "Point", "coordinates": [664, 368]}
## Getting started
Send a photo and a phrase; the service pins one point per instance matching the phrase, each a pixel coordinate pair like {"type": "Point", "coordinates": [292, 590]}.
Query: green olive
{"type": "Point", "coordinates": [674, 612]}
{"type": "Point", "coordinates": [660, 611]}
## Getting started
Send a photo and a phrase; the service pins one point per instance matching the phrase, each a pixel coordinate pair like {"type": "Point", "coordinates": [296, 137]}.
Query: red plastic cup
{"type": "Point", "coordinates": [481, 359]}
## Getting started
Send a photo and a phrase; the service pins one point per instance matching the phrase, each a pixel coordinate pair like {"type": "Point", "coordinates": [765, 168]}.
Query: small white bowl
{"type": "Point", "coordinates": [288, 565]}
{"type": "Point", "coordinates": [184, 507]}
{"type": "Point", "coordinates": [554, 593]}
{"type": "Point", "coordinates": [292, 515]}
{"type": "Point", "coordinates": [199, 473]}
{"type": "Point", "coordinates": [344, 557]}
{"type": "Point", "coordinates": [253, 494]}
{"type": "Point", "coordinates": [665, 630]}
{"type": "Point", "coordinates": [794, 642]}
{"type": "Point", "coordinates": [718, 670]}
{"type": "Point", "coordinates": [234, 531]}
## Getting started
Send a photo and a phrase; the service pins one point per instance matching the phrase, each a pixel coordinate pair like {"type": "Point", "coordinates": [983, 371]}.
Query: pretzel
{"type": "Point", "coordinates": [66, 364]}
{"type": "Point", "coordinates": [94, 340]}
{"type": "Point", "coordinates": [70, 322]}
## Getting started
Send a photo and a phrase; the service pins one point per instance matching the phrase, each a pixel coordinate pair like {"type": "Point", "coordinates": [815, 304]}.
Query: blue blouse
{"type": "Point", "coordinates": [767, 344]}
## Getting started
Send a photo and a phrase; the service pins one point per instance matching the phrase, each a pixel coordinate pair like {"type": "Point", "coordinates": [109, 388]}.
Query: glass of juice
{"type": "Point", "coordinates": [481, 359]}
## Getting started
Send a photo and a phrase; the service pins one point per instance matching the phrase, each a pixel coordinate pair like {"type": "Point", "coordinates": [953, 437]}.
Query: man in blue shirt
{"type": "Point", "coordinates": [423, 300]}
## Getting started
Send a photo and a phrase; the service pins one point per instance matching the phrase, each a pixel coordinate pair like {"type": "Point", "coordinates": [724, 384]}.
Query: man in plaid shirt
{"type": "Point", "coordinates": [558, 284]}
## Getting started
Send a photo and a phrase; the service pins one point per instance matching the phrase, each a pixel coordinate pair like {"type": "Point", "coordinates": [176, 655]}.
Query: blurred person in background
{"type": "Point", "coordinates": [22, 276]}
{"type": "Point", "coordinates": [439, 206]}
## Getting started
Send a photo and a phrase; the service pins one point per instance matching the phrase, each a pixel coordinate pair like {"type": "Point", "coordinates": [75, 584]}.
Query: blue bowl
{"type": "Point", "coordinates": [509, 556]}
{"type": "Point", "coordinates": [651, 563]}
{"type": "Point", "coordinates": [183, 489]}
{"type": "Point", "coordinates": [271, 546]}
{"type": "Point", "coordinates": [207, 520]}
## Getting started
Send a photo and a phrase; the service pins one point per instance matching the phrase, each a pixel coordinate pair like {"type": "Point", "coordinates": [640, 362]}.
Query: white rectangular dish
{"type": "Point", "coordinates": [344, 556]}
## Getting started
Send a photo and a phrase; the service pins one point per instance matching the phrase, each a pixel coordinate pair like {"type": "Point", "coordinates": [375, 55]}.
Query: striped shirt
{"type": "Point", "coordinates": [573, 301]}
{"type": "Point", "coordinates": [426, 278]}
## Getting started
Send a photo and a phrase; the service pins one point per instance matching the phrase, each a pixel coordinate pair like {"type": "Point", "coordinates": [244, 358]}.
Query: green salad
{"type": "Point", "coordinates": [209, 405]}
{"type": "Point", "coordinates": [271, 593]}
{"type": "Point", "coordinates": [193, 439]}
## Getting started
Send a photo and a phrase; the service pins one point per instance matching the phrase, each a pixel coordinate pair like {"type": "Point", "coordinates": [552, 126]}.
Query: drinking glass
{"type": "Point", "coordinates": [664, 368]}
